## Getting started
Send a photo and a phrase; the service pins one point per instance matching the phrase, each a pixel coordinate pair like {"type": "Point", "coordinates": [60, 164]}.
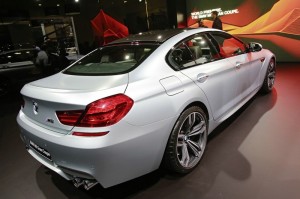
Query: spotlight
{"type": "Point", "coordinates": [76, 1]}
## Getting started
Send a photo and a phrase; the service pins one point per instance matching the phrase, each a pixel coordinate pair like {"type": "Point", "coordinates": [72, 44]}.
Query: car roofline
{"type": "Point", "coordinates": [137, 42]}
{"type": "Point", "coordinates": [157, 36]}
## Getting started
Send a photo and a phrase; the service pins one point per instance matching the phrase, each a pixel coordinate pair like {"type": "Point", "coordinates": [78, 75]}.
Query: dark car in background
{"type": "Point", "coordinates": [17, 67]}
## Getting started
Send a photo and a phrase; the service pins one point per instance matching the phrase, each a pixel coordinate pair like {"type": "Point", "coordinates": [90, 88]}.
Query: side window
{"type": "Point", "coordinates": [23, 55]}
{"type": "Point", "coordinates": [180, 56]}
{"type": "Point", "coordinates": [227, 45]}
{"type": "Point", "coordinates": [194, 51]}
{"type": "Point", "coordinates": [202, 50]}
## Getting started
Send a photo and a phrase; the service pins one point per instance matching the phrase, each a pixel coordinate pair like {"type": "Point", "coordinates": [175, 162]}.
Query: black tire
{"type": "Point", "coordinates": [182, 141]}
{"type": "Point", "coordinates": [269, 80]}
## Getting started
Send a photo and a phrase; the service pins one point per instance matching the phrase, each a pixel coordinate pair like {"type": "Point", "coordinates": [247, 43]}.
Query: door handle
{"type": "Point", "coordinates": [202, 77]}
{"type": "Point", "coordinates": [238, 65]}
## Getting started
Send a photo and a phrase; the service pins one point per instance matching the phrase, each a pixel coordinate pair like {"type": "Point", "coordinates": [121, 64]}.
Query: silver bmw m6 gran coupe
{"type": "Point", "coordinates": [143, 101]}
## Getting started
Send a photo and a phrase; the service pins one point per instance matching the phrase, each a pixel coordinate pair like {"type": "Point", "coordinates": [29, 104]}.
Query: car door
{"type": "Point", "coordinates": [247, 66]}
{"type": "Point", "coordinates": [257, 60]}
{"type": "Point", "coordinates": [198, 59]}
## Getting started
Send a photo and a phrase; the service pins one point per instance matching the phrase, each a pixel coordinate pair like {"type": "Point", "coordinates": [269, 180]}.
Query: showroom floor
{"type": "Point", "coordinates": [255, 154]}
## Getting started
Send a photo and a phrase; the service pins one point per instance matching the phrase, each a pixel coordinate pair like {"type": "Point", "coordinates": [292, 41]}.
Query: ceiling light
{"type": "Point", "coordinates": [57, 5]}
{"type": "Point", "coordinates": [76, 1]}
{"type": "Point", "coordinates": [40, 4]}
{"type": "Point", "coordinates": [125, 1]}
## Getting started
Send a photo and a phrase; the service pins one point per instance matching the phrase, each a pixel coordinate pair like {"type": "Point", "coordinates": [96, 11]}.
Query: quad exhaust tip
{"type": "Point", "coordinates": [87, 184]}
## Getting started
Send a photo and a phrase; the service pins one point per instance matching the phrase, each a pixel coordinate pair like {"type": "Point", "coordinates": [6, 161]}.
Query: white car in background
{"type": "Point", "coordinates": [152, 98]}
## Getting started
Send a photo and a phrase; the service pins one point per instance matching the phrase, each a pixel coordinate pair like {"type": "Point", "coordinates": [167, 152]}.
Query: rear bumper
{"type": "Point", "coordinates": [126, 152]}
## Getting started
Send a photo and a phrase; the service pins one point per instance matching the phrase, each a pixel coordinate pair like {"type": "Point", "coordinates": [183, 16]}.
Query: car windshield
{"type": "Point", "coordinates": [111, 60]}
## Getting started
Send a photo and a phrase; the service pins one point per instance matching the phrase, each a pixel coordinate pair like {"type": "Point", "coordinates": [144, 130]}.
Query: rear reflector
{"type": "Point", "coordinates": [83, 134]}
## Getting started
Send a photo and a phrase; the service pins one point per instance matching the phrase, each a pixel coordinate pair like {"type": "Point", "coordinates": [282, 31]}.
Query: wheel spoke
{"type": "Point", "coordinates": [192, 119]}
{"type": "Point", "coordinates": [179, 144]}
{"type": "Point", "coordinates": [271, 67]}
{"type": "Point", "coordinates": [180, 137]}
{"type": "Point", "coordinates": [185, 155]}
{"type": "Point", "coordinates": [271, 75]}
{"type": "Point", "coordinates": [198, 129]}
{"type": "Point", "coordinates": [271, 83]}
{"type": "Point", "coordinates": [193, 148]}
{"type": "Point", "coordinates": [271, 79]}
{"type": "Point", "coordinates": [180, 140]}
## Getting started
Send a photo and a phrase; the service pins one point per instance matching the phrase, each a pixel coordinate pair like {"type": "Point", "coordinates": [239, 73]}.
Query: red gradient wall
{"type": "Point", "coordinates": [276, 27]}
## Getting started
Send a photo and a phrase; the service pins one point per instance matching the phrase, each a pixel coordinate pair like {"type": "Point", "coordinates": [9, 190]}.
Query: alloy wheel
{"type": "Point", "coordinates": [271, 74]}
{"type": "Point", "coordinates": [191, 140]}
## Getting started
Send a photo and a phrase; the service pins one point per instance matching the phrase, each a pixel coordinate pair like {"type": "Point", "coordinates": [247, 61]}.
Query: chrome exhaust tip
{"type": "Point", "coordinates": [78, 182]}
{"type": "Point", "coordinates": [88, 184]}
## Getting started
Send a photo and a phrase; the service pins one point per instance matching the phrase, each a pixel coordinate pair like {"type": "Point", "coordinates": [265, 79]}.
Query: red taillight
{"type": "Point", "coordinates": [69, 117]}
{"type": "Point", "coordinates": [100, 113]}
{"type": "Point", "coordinates": [106, 111]}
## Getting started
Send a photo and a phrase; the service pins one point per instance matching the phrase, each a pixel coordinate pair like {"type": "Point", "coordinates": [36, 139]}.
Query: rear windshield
{"type": "Point", "coordinates": [111, 60]}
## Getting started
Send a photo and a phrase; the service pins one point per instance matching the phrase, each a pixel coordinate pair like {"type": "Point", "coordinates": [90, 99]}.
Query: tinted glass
{"type": "Point", "coordinates": [227, 45]}
{"type": "Point", "coordinates": [111, 60]}
{"type": "Point", "coordinates": [194, 51]}
{"type": "Point", "coordinates": [181, 56]}
{"type": "Point", "coordinates": [202, 49]}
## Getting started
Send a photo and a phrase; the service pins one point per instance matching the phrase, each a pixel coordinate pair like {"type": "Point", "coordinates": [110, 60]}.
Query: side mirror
{"type": "Point", "coordinates": [254, 47]}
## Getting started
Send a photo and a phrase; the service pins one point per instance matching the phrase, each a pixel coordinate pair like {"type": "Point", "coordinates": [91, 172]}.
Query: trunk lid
{"type": "Point", "coordinates": [63, 92]}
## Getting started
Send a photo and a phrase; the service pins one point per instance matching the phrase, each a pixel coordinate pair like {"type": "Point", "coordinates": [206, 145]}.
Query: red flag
{"type": "Point", "coordinates": [107, 28]}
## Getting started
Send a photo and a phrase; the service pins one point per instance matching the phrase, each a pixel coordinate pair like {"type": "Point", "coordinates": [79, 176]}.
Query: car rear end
{"type": "Point", "coordinates": [75, 122]}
